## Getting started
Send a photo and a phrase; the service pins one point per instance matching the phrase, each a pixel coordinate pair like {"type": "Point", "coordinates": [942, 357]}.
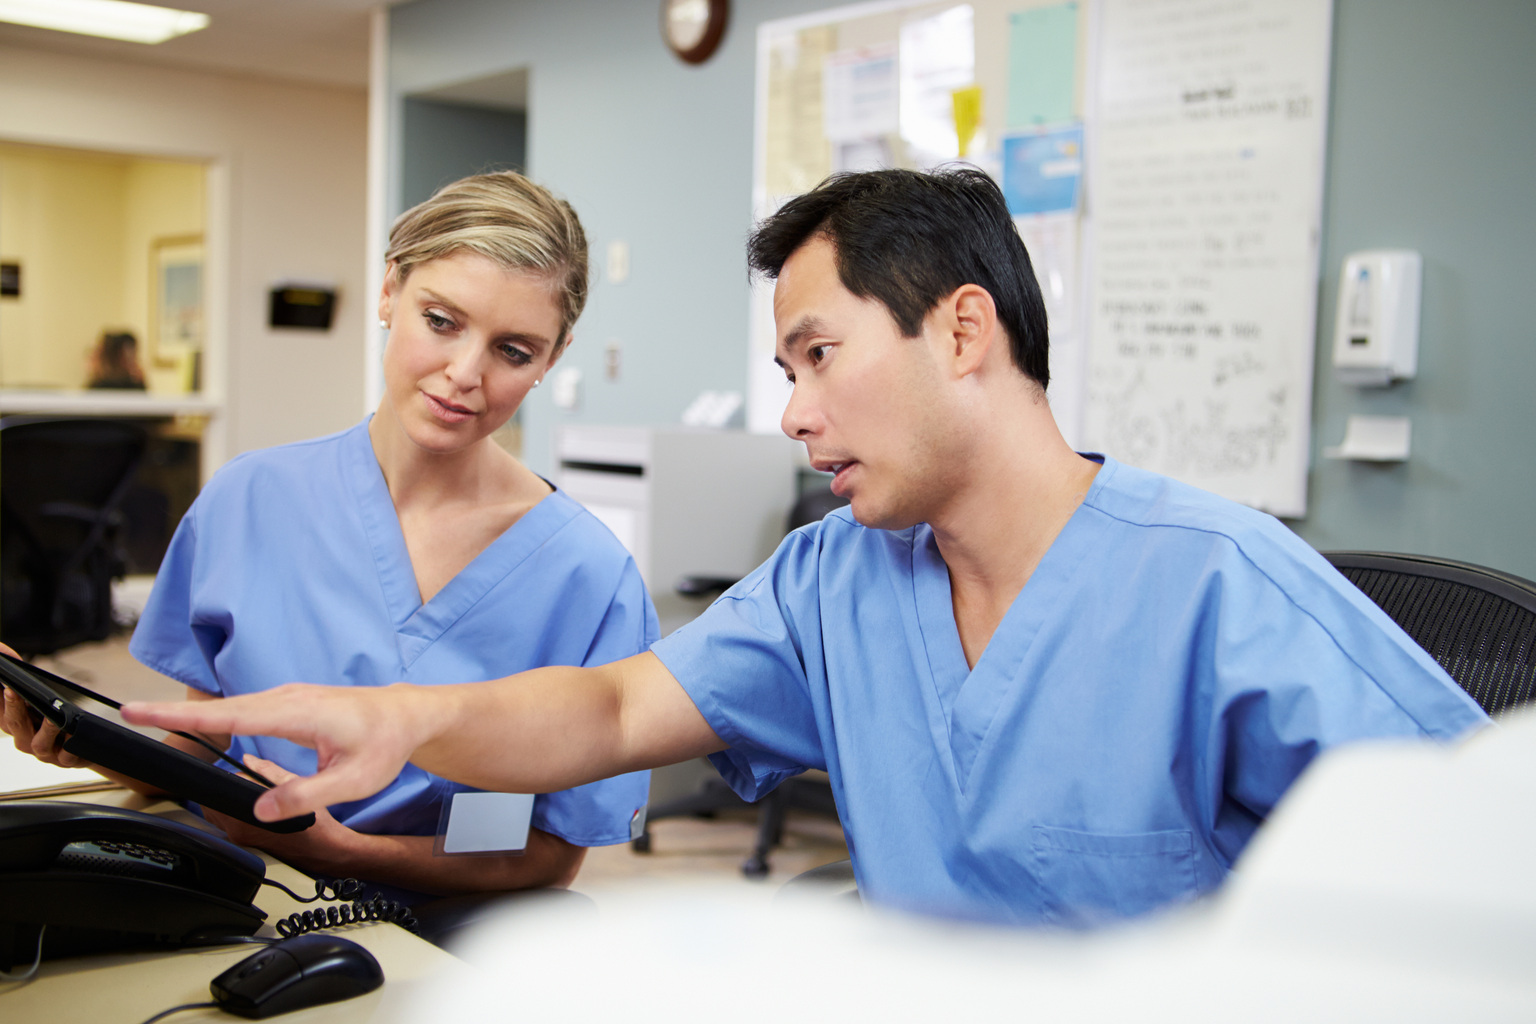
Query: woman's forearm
{"type": "Point", "coordinates": [410, 863]}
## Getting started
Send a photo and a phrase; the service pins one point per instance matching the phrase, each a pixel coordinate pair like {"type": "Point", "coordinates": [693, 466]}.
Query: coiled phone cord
{"type": "Point", "coordinates": [357, 911]}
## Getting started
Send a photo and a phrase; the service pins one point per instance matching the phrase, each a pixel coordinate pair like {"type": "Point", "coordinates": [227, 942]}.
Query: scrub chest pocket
{"type": "Point", "coordinates": [1096, 878]}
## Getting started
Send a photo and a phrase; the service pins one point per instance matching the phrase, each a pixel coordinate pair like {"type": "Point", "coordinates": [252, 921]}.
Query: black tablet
{"type": "Point", "coordinates": [95, 731]}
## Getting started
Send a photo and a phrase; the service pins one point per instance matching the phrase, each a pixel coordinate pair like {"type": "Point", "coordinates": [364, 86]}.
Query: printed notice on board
{"type": "Point", "coordinates": [1042, 65]}
{"type": "Point", "coordinates": [860, 93]}
{"type": "Point", "coordinates": [1043, 171]}
{"type": "Point", "coordinates": [798, 155]}
{"type": "Point", "coordinates": [860, 106]}
{"type": "Point", "coordinates": [1206, 180]}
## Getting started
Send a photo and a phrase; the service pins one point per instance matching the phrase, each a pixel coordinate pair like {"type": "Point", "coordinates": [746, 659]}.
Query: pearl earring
{"type": "Point", "coordinates": [538, 382]}
{"type": "Point", "coordinates": [384, 324]}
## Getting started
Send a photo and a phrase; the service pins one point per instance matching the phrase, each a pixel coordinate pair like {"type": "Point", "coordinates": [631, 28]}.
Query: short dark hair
{"type": "Point", "coordinates": [907, 239]}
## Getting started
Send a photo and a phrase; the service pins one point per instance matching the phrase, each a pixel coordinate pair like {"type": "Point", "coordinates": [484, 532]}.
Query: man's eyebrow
{"type": "Point", "coordinates": [809, 326]}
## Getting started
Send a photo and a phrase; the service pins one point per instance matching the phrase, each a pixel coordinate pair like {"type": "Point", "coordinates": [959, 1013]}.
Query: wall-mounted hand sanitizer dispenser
{"type": "Point", "coordinates": [1376, 338]}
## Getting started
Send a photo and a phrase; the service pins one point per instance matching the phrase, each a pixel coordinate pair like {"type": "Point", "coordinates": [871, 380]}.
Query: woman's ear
{"type": "Point", "coordinates": [387, 294]}
{"type": "Point", "coordinates": [555, 356]}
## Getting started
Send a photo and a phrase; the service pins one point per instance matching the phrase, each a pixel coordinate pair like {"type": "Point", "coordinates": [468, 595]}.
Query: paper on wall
{"type": "Point", "coordinates": [797, 155]}
{"type": "Point", "coordinates": [1043, 171]}
{"type": "Point", "coordinates": [1042, 65]}
{"type": "Point", "coordinates": [860, 93]}
{"type": "Point", "coordinates": [1051, 240]}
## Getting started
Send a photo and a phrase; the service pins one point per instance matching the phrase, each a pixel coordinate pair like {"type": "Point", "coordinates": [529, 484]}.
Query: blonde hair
{"type": "Point", "coordinates": [507, 219]}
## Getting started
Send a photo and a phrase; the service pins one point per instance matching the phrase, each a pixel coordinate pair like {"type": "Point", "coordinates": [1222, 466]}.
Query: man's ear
{"type": "Point", "coordinates": [973, 327]}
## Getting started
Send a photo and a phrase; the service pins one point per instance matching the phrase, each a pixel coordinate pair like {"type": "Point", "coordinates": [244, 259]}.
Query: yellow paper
{"type": "Point", "coordinates": [967, 115]}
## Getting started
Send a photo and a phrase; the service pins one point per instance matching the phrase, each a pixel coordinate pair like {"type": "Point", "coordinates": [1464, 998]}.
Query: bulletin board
{"type": "Point", "coordinates": [871, 85]}
{"type": "Point", "coordinates": [1163, 160]}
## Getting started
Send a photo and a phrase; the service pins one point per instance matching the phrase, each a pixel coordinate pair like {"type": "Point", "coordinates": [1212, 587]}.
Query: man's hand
{"type": "Point", "coordinates": [362, 736]}
{"type": "Point", "coordinates": [326, 848]}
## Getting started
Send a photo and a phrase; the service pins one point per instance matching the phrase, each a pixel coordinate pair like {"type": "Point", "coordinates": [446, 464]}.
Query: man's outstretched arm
{"type": "Point", "coordinates": [536, 732]}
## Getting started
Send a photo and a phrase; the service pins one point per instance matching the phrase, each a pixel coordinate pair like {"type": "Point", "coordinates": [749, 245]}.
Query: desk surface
{"type": "Point", "coordinates": [104, 402]}
{"type": "Point", "coordinates": [126, 988]}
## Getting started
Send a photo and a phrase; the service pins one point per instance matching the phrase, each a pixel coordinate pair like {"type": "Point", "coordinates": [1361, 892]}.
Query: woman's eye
{"type": "Point", "coordinates": [437, 321]}
{"type": "Point", "coordinates": [516, 355]}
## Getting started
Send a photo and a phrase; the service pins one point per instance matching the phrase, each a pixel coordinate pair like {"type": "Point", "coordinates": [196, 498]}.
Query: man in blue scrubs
{"type": "Point", "coordinates": [1047, 687]}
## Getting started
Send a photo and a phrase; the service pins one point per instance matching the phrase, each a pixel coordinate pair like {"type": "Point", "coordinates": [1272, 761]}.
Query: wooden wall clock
{"type": "Point", "coordinates": [693, 28]}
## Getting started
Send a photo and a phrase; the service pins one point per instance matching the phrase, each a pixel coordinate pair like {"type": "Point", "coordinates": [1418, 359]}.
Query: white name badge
{"type": "Point", "coordinates": [475, 822]}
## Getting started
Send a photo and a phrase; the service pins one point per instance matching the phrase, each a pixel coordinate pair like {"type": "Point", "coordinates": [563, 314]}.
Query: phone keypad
{"type": "Point", "coordinates": [118, 858]}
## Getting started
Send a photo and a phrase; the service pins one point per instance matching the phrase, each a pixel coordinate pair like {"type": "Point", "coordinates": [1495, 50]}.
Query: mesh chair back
{"type": "Point", "coordinates": [1479, 624]}
{"type": "Point", "coordinates": [812, 506]}
{"type": "Point", "coordinates": [62, 482]}
{"type": "Point", "coordinates": [81, 461]}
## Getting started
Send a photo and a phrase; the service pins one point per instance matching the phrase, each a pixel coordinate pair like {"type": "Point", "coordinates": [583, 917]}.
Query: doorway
{"type": "Point", "coordinates": [104, 270]}
{"type": "Point", "coordinates": [468, 128]}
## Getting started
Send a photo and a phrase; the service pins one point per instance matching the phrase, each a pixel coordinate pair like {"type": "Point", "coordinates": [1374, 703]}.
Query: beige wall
{"type": "Point", "coordinates": [285, 201]}
{"type": "Point", "coordinates": [61, 217]}
{"type": "Point", "coordinates": [162, 200]}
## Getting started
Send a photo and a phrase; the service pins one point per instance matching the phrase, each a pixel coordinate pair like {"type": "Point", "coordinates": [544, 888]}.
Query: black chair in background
{"type": "Point", "coordinates": [1478, 623]}
{"type": "Point", "coordinates": [62, 484]}
{"type": "Point", "coordinates": [810, 791]}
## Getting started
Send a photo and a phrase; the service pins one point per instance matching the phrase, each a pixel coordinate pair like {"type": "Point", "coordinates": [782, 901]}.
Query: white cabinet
{"type": "Point", "coordinates": [684, 502]}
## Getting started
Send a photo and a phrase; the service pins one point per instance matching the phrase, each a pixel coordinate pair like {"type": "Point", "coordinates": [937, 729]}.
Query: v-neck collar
{"type": "Point", "coordinates": [969, 698]}
{"type": "Point", "coordinates": [418, 625]}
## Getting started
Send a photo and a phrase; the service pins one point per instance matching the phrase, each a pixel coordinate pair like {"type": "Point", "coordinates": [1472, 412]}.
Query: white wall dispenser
{"type": "Point", "coordinates": [1376, 336]}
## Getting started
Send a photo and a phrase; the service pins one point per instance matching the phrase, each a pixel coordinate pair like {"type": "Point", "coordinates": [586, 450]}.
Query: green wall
{"type": "Point", "coordinates": [442, 142]}
{"type": "Point", "coordinates": [1430, 147]}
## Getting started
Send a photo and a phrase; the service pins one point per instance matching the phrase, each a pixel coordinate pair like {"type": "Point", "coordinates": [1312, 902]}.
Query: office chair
{"type": "Point", "coordinates": [1479, 624]}
{"type": "Point", "coordinates": [811, 791]}
{"type": "Point", "coordinates": [62, 483]}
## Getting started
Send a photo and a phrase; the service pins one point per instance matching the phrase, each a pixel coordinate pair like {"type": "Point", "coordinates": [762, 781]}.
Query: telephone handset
{"type": "Point", "coordinates": [104, 878]}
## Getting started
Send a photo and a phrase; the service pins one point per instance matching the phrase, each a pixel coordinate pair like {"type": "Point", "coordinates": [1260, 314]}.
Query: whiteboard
{"type": "Point", "coordinates": [1206, 176]}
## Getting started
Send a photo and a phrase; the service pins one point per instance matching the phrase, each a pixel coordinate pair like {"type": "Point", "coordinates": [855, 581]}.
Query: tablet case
{"type": "Point", "coordinates": [112, 746]}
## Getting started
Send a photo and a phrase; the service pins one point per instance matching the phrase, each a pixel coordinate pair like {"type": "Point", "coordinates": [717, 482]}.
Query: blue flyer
{"type": "Point", "coordinates": [1043, 170]}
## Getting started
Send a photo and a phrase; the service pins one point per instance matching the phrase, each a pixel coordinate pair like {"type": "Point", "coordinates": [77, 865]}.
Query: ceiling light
{"type": "Point", "coordinates": [113, 19]}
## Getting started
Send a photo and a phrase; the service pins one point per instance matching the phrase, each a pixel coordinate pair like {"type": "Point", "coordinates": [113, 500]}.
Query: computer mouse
{"type": "Point", "coordinates": [303, 971]}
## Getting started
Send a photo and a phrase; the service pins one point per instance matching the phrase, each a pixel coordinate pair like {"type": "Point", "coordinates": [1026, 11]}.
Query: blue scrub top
{"type": "Point", "coordinates": [291, 567]}
{"type": "Point", "coordinates": [1172, 665]}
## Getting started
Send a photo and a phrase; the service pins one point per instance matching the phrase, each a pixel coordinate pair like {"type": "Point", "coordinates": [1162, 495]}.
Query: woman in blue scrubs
{"type": "Point", "coordinates": [413, 548]}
